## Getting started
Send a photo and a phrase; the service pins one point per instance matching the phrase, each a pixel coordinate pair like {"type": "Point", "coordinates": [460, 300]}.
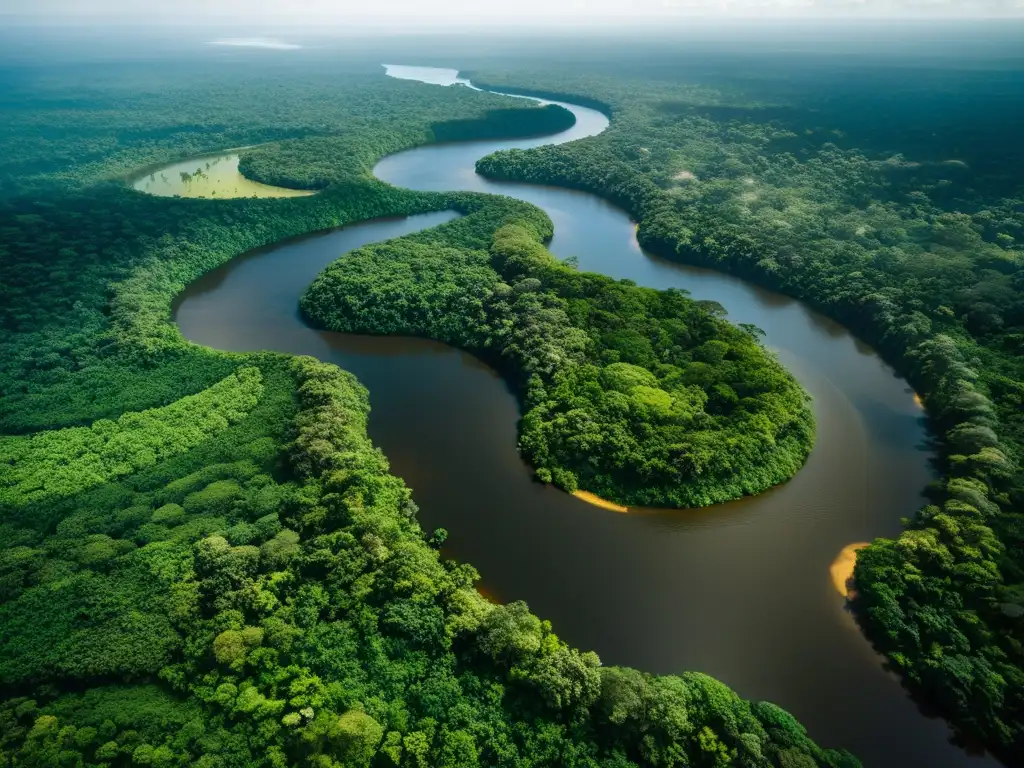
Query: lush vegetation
{"type": "Point", "coordinates": [640, 396]}
{"type": "Point", "coordinates": [909, 231]}
{"type": "Point", "coordinates": [312, 163]}
{"type": "Point", "coordinates": [220, 570]}
{"type": "Point", "coordinates": [65, 461]}
{"type": "Point", "coordinates": [309, 621]}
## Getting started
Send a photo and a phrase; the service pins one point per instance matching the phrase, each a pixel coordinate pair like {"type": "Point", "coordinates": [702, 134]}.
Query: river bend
{"type": "Point", "coordinates": [740, 590]}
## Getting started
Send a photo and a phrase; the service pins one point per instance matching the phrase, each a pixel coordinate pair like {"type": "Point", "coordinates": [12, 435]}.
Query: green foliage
{"type": "Point", "coordinates": [395, 287]}
{"type": "Point", "coordinates": [640, 396]}
{"type": "Point", "coordinates": [505, 122]}
{"type": "Point", "coordinates": [66, 461]}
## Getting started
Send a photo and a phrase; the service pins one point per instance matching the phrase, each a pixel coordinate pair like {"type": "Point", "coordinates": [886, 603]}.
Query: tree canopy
{"type": "Point", "coordinates": [640, 396]}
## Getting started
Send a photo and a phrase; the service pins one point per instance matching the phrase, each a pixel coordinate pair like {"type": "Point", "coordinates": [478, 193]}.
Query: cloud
{"type": "Point", "coordinates": [926, 8]}
{"type": "Point", "coordinates": [255, 42]}
{"type": "Point", "coordinates": [351, 13]}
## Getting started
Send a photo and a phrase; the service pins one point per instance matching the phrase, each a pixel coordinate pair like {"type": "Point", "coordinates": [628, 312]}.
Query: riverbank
{"type": "Point", "coordinates": [842, 567]}
{"type": "Point", "coordinates": [597, 501]}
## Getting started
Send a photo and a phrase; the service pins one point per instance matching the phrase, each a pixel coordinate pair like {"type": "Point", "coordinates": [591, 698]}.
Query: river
{"type": "Point", "coordinates": [741, 591]}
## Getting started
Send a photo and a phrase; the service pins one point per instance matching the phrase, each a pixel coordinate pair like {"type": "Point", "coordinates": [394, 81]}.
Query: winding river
{"type": "Point", "coordinates": [741, 591]}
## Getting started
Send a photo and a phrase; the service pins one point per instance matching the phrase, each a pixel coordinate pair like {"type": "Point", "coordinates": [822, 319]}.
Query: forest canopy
{"type": "Point", "coordinates": [642, 397]}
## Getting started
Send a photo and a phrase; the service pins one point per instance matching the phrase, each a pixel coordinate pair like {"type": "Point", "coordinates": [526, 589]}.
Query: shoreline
{"type": "Point", "coordinates": [597, 501]}
{"type": "Point", "coordinates": [842, 567]}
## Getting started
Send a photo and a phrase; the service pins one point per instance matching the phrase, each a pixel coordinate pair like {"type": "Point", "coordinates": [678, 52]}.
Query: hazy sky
{"type": "Point", "coordinates": [445, 11]}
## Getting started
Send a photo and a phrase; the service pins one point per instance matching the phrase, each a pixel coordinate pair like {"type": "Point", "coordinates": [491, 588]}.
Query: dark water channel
{"type": "Point", "coordinates": [740, 591]}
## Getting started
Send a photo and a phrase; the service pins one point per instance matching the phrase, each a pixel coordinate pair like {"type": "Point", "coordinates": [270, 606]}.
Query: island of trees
{"type": "Point", "coordinates": [642, 397]}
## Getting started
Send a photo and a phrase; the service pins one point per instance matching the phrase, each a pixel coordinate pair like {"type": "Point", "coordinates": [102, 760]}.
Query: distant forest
{"type": "Point", "coordinates": [204, 559]}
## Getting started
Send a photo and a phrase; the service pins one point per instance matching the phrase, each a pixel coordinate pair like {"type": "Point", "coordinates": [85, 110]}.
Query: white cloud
{"type": "Point", "coordinates": [255, 42]}
{"type": "Point", "coordinates": [445, 12]}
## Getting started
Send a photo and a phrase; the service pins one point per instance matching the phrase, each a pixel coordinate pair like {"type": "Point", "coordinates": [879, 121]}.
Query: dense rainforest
{"type": "Point", "coordinates": [909, 230]}
{"type": "Point", "coordinates": [642, 397]}
{"type": "Point", "coordinates": [204, 559]}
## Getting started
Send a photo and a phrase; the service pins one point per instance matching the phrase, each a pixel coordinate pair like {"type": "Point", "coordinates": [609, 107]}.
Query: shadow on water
{"type": "Point", "coordinates": [741, 591]}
